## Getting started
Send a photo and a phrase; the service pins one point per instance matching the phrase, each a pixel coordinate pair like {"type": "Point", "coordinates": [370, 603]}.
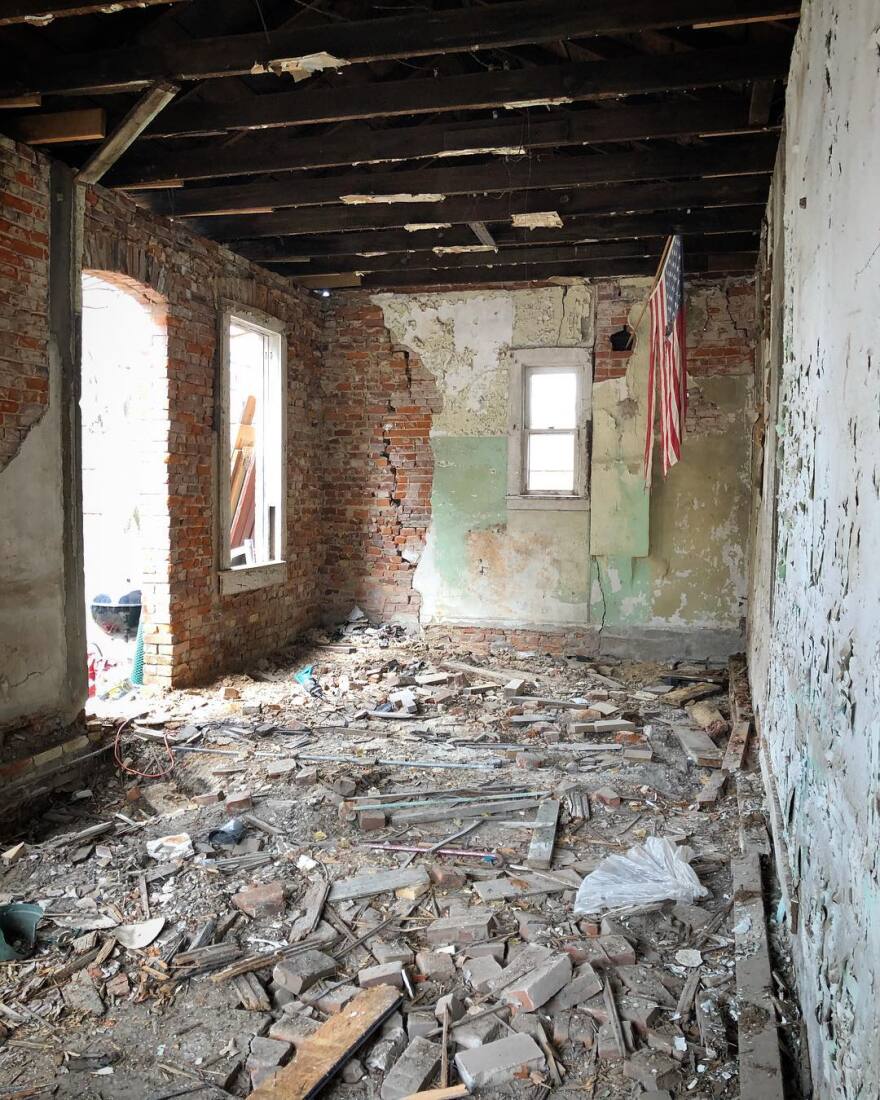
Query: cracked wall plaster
{"type": "Point", "coordinates": [815, 629]}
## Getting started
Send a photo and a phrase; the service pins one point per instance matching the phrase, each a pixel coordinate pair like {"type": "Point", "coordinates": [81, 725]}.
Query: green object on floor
{"type": "Point", "coordinates": [18, 922]}
{"type": "Point", "coordinates": [137, 668]}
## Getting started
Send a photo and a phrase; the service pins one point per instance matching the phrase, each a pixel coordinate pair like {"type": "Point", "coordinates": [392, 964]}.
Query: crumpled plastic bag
{"type": "Point", "coordinates": [654, 871]}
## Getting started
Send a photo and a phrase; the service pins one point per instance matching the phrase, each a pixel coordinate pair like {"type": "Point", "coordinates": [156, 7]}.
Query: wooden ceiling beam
{"type": "Point", "coordinates": [153, 162]}
{"type": "Point", "coordinates": [719, 157]}
{"type": "Point", "coordinates": [505, 275]}
{"type": "Point", "coordinates": [548, 84]}
{"type": "Point", "coordinates": [643, 197]}
{"type": "Point", "coordinates": [577, 230]}
{"type": "Point", "coordinates": [133, 124]}
{"type": "Point", "coordinates": [411, 35]}
{"type": "Point", "coordinates": [41, 11]}
{"type": "Point", "coordinates": [59, 127]}
{"type": "Point", "coordinates": [516, 255]}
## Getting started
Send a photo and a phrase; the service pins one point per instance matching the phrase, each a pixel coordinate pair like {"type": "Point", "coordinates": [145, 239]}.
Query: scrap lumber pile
{"type": "Point", "coordinates": [364, 879]}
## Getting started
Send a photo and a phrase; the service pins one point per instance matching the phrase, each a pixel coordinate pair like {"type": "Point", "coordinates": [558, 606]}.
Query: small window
{"type": "Point", "coordinates": [548, 428]}
{"type": "Point", "coordinates": [254, 399]}
{"type": "Point", "coordinates": [551, 429]}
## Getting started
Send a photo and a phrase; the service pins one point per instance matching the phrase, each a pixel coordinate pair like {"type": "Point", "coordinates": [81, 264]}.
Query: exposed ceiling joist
{"type": "Point", "coordinates": [577, 230]}
{"type": "Point", "coordinates": [519, 254]}
{"type": "Point", "coordinates": [505, 275]}
{"type": "Point", "coordinates": [720, 157]}
{"type": "Point", "coordinates": [156, 161]}
{"type": "Point", "coordinates": [460, 211]}
{"type": "Point", "coordinates": [411, 35]}
{"type": "Point", "coordinates": [548, 84]}
{"type": "Point", "coordinates": [44, 11]}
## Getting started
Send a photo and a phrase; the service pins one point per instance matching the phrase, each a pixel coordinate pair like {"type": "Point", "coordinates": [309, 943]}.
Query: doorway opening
{"type": "Point", "coordinates": [124, 408]}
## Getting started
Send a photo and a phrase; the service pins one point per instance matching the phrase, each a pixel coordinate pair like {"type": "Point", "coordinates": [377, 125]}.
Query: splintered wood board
{"type": "Point", "coordinates": [699, 747]}
{"type": "Point", "coordinates": [689, 693]}
{"type": "Point", "coordinates": [322, 1055]}
{"type": "Point", "coordinates": [544, 837]}
{"type": "Point", "coordinates": [737, 744]}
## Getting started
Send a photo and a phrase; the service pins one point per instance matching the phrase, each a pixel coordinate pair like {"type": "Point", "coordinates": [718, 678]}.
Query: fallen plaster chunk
{"type": "Point", "coordinates": [494, 150]}
{"type": "Point", "coordinates": [301, 68]}
{"type": "Point", "coordinates": [552, 101]}
{"type": "Point", "coordinates": [544, 219]}
{"type": "Point", "coordinates": [452, 249]}
{"type": "Point", "coordinates": [417, 227]}
{"type": "Point", "coordinates": [401, 196]}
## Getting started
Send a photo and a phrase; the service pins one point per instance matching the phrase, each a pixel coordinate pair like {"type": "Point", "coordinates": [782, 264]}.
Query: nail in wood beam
{"type": "Point", "coordinates": [131, 127]}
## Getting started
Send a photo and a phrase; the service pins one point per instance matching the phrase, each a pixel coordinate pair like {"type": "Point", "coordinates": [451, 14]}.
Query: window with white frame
{"type": "Point", "coordinates": [253, 391]}
{"type": "Point", "coordinates": [549, 428]}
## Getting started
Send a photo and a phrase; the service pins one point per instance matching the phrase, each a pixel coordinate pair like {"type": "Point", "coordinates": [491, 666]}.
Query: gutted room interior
{"type": "Point", "coordinates": [438, 643]}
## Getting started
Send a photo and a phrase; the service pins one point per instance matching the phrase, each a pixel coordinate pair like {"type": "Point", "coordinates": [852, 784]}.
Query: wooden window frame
{"type": "Point", "coordinates": [524, 361]}
{"type": "Point", "coordinates": [245, 578]}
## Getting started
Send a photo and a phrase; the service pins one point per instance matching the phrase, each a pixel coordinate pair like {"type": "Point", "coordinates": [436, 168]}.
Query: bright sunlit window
{"type": "Point", "coordinates": [551, 429]}
{"type": "Point", "coordinates": [253, 414]}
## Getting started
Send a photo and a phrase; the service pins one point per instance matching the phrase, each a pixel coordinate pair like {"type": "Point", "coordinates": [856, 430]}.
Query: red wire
{"type": "Point", "coordinates": [134, 771]}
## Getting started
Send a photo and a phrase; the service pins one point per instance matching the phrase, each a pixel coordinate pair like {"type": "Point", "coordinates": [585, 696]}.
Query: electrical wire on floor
{"type": "Point", "coordinates": [117, 756]}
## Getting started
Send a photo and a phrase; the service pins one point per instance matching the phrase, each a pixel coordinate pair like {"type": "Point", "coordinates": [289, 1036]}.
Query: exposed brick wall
{"type": "Point", "coordinates": [194, 632]}
{"type": "Point", "coordinates": [720, 325]}
{"type": "Point", "coordinates": [378, 406]}
{"type": "Point", "coordinates": [379, 403]}
{"type": "Point", "coordinates": [24, 294]}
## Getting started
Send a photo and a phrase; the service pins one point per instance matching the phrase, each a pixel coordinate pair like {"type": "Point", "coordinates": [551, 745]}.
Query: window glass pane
{"type": "Point", "coordinates": [552, 399]}
{"type": "Point", "coordinates": [246, 359]}
{"type": "Point", "coordinates": [550, 463]}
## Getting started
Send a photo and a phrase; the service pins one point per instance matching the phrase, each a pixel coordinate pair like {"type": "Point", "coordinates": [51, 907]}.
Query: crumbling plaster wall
{"type": "Point", "coordinates": [35, 341]}
{"type": "Point", "coordinates": [635, 566]}
{"type": "Point", "coordinates": [815, 645]}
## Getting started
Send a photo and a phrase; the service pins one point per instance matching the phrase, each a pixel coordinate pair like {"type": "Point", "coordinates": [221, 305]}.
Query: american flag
{"type": "Point", "coordinates": [668, 359]}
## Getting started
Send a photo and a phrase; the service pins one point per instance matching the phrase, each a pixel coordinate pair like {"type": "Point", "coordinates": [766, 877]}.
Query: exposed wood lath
{"type": "Point", "coordinates": [392, 135]}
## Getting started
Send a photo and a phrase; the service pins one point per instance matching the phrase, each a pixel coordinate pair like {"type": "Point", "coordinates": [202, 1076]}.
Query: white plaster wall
{"type": "Point", "coordinates": [820, 710]}
{"type": "Point", "coordinates": [33, 646]}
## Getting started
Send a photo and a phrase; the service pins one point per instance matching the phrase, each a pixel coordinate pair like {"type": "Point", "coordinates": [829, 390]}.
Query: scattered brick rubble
{"type": "Point", "coordinates": [386, 828]}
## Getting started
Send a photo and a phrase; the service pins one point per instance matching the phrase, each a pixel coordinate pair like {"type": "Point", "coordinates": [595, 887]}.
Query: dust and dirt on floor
{"type": "Point", "coordinates": [368, 822]}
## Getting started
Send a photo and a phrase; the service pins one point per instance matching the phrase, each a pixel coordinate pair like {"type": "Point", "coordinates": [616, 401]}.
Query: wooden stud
{"type": "Point", "coordinates": [134, 123]}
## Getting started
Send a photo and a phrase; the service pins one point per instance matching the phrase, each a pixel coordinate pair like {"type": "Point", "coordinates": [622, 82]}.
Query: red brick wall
{"type": "Point", "coordinates": [194, 632]}
{"type": "Point", "coordinates": [24, 294]}
{"type": "Point", "coordinates": [378, 406]}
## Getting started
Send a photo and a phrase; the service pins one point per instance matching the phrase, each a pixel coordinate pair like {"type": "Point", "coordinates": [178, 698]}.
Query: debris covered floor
{"type": "Point", "coordinates": [411, 833]}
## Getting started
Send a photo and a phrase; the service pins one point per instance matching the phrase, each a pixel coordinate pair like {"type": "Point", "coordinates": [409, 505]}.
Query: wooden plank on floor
{"type": "Point", "coordinates": [737, 744]}
{"type": "Point", "coordinates": [760, 1065]}
{"type": "Point", "coordinates": [377, 882]}
{"type": "Point", "coordinates": [498, 675]}
{"type": "Point", "coordinates": [322, 1055]}
{"type": "Point", "coordinates": [523, 885]}
{"type": "Point", "coordinates": [544, 836]}
{"type": "Point", "coordinates": [698, 746]}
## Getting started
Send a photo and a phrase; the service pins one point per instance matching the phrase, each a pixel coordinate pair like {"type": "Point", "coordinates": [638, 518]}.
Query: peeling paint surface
{"type": "Point", "coordinates": [670, 560]}
{"type": "Point", "coordinates": [819, 637]}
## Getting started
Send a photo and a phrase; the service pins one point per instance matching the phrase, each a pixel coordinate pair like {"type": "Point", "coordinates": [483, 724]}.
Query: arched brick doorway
{"type": "Point", "coordinates": [124, 408]}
